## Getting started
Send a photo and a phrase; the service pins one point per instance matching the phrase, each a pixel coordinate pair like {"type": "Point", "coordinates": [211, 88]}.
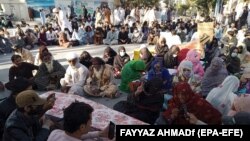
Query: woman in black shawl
{"type": "Point", "coordinates": [211, 51]}
{"type": "Point", "coordinates": [120, 60]}
{"type": "Point", "coordinates": [233, 61]}
{"type": "Point", "coordinates": [85, 59]}
{"type": "Point", "coordinates": [170, 58]}
{"type": "Point", "coordinates": [109, 56]}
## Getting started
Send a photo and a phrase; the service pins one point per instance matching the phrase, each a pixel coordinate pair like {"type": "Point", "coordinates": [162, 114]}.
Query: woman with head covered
{"type": "Point", "coordinates": [145, 103]}
{"type": "Point", "coordinates": [130, 72]}
{"type": "Point", "coordinates": [233, 61]}
{"type": "Point", "coordinates": [185, 104]}
{"type": "Point", "coordinates": [214, 76]}
{"type": "Point", "coordinates": [185, 72]}
{"type": "Point", "coordinates": [222, 97]}
{"type": "Point", "coordinates": [194, 57]}
{"type": "Point", "coordinates": [146, 56]}
{"type": "Point", "coordinates": [158, 71]}
{"type": "Point", "coordinates": [120, 60]}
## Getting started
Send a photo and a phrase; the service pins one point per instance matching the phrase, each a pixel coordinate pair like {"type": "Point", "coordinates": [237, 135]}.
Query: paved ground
{"type": "Point", "coordinates": [59, 54]}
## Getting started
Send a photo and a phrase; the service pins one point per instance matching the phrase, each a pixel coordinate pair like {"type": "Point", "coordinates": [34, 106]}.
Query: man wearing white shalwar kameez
{"type": "Point", "coordinates": [122, 14]}
{"type": "Point", "coordinates": [142, 14]}
{"type": "Point", "coordinates": [132, 13]}
{"type": "Point", "coordinates": [75, 76]}
{"type": "Point", "coordinates": [62, 19]}
{"type": "Point", "coordinates": [151, 17]}
{"type": "Point", "coordinates": [146, 15]}
{"type": "Point", "coordinates": [117, 16]}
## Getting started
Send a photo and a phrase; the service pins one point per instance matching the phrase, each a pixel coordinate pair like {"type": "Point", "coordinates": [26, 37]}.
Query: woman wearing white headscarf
{"type": "Point", "coordinates": [75, 76]}
{"type": "Point", "coordinates": [184, 72]}
{"type": "Point", "coordinates": [222, 97]}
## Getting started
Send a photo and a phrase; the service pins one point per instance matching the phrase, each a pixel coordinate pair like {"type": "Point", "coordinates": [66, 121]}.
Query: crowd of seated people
{"type": "Point", "coordinates": [196, 88]}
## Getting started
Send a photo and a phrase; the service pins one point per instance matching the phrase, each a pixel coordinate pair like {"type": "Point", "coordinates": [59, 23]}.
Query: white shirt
{"type": "Point", "coordinates": [240, 36]}
{"type": "Point", "coordinates": [117, 16]}
{"type": "Point", "coordinates": [76, 75]}
{"type": "Point", "coordinates": [62, 15]}
{"type": "Point", "coordinates": [64, 23]}
{"type": "Point", "coordinates": [167, 35]}
{"type": "Point", "coordinates": [75, 36]}
{"type": "Point", "coordinates": [174, 40]}
{"type": "Point", "coordinates": [122, 13]}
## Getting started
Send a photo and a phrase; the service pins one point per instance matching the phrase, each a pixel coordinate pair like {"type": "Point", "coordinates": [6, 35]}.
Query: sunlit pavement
{"type": "Point", "coordinates": [59, 54]}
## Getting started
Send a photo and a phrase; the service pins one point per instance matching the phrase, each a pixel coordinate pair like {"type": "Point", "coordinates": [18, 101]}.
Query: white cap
{"type": "Point", "coordinates": [71, 56]}
{"type": "Point", "coordinates": [55, 10]}
{"type": "Point", "coordinates": [143, 46]}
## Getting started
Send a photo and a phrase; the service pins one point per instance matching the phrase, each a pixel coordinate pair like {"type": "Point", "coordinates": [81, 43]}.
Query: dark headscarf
{"type": "Point", "coordinates": [211, 51]}
{"type": "Point", "coordinates": [111, 55]}
{"type": "Point", "coordinates": [119, 60]}
{"type": "Point", "coordinates": [163, 74]}
{"type": "Point", "coordinates": [169, 60]}
{"type": "Point", "coordinates": [233, 63]}
{"type": "Point", "coordinates": [42, 49]}
{"type": "Point", "coordinates": [85, 59]}
{"type": "Point", "coordinates": [97, 61]}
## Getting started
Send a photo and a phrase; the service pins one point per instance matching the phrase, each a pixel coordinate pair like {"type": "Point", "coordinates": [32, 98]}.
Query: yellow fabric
{"type": "Point", "coordinates": [137, 53]}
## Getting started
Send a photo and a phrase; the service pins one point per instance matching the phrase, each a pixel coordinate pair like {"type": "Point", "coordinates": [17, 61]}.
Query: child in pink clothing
{"type": "Point", "coordinates": [195, 57]}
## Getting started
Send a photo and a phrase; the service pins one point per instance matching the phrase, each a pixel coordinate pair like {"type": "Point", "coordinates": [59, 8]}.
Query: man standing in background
{"type": "Point", "coordinates": [42, 16]}
{"type": "Point", "coordinates": [68, 11]}
{"type": "Point", "coordinates": [85, 12]}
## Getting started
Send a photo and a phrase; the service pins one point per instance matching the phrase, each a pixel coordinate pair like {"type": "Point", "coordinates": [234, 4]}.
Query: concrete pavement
{"type": "Point", "coordinates": [59, 54]}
